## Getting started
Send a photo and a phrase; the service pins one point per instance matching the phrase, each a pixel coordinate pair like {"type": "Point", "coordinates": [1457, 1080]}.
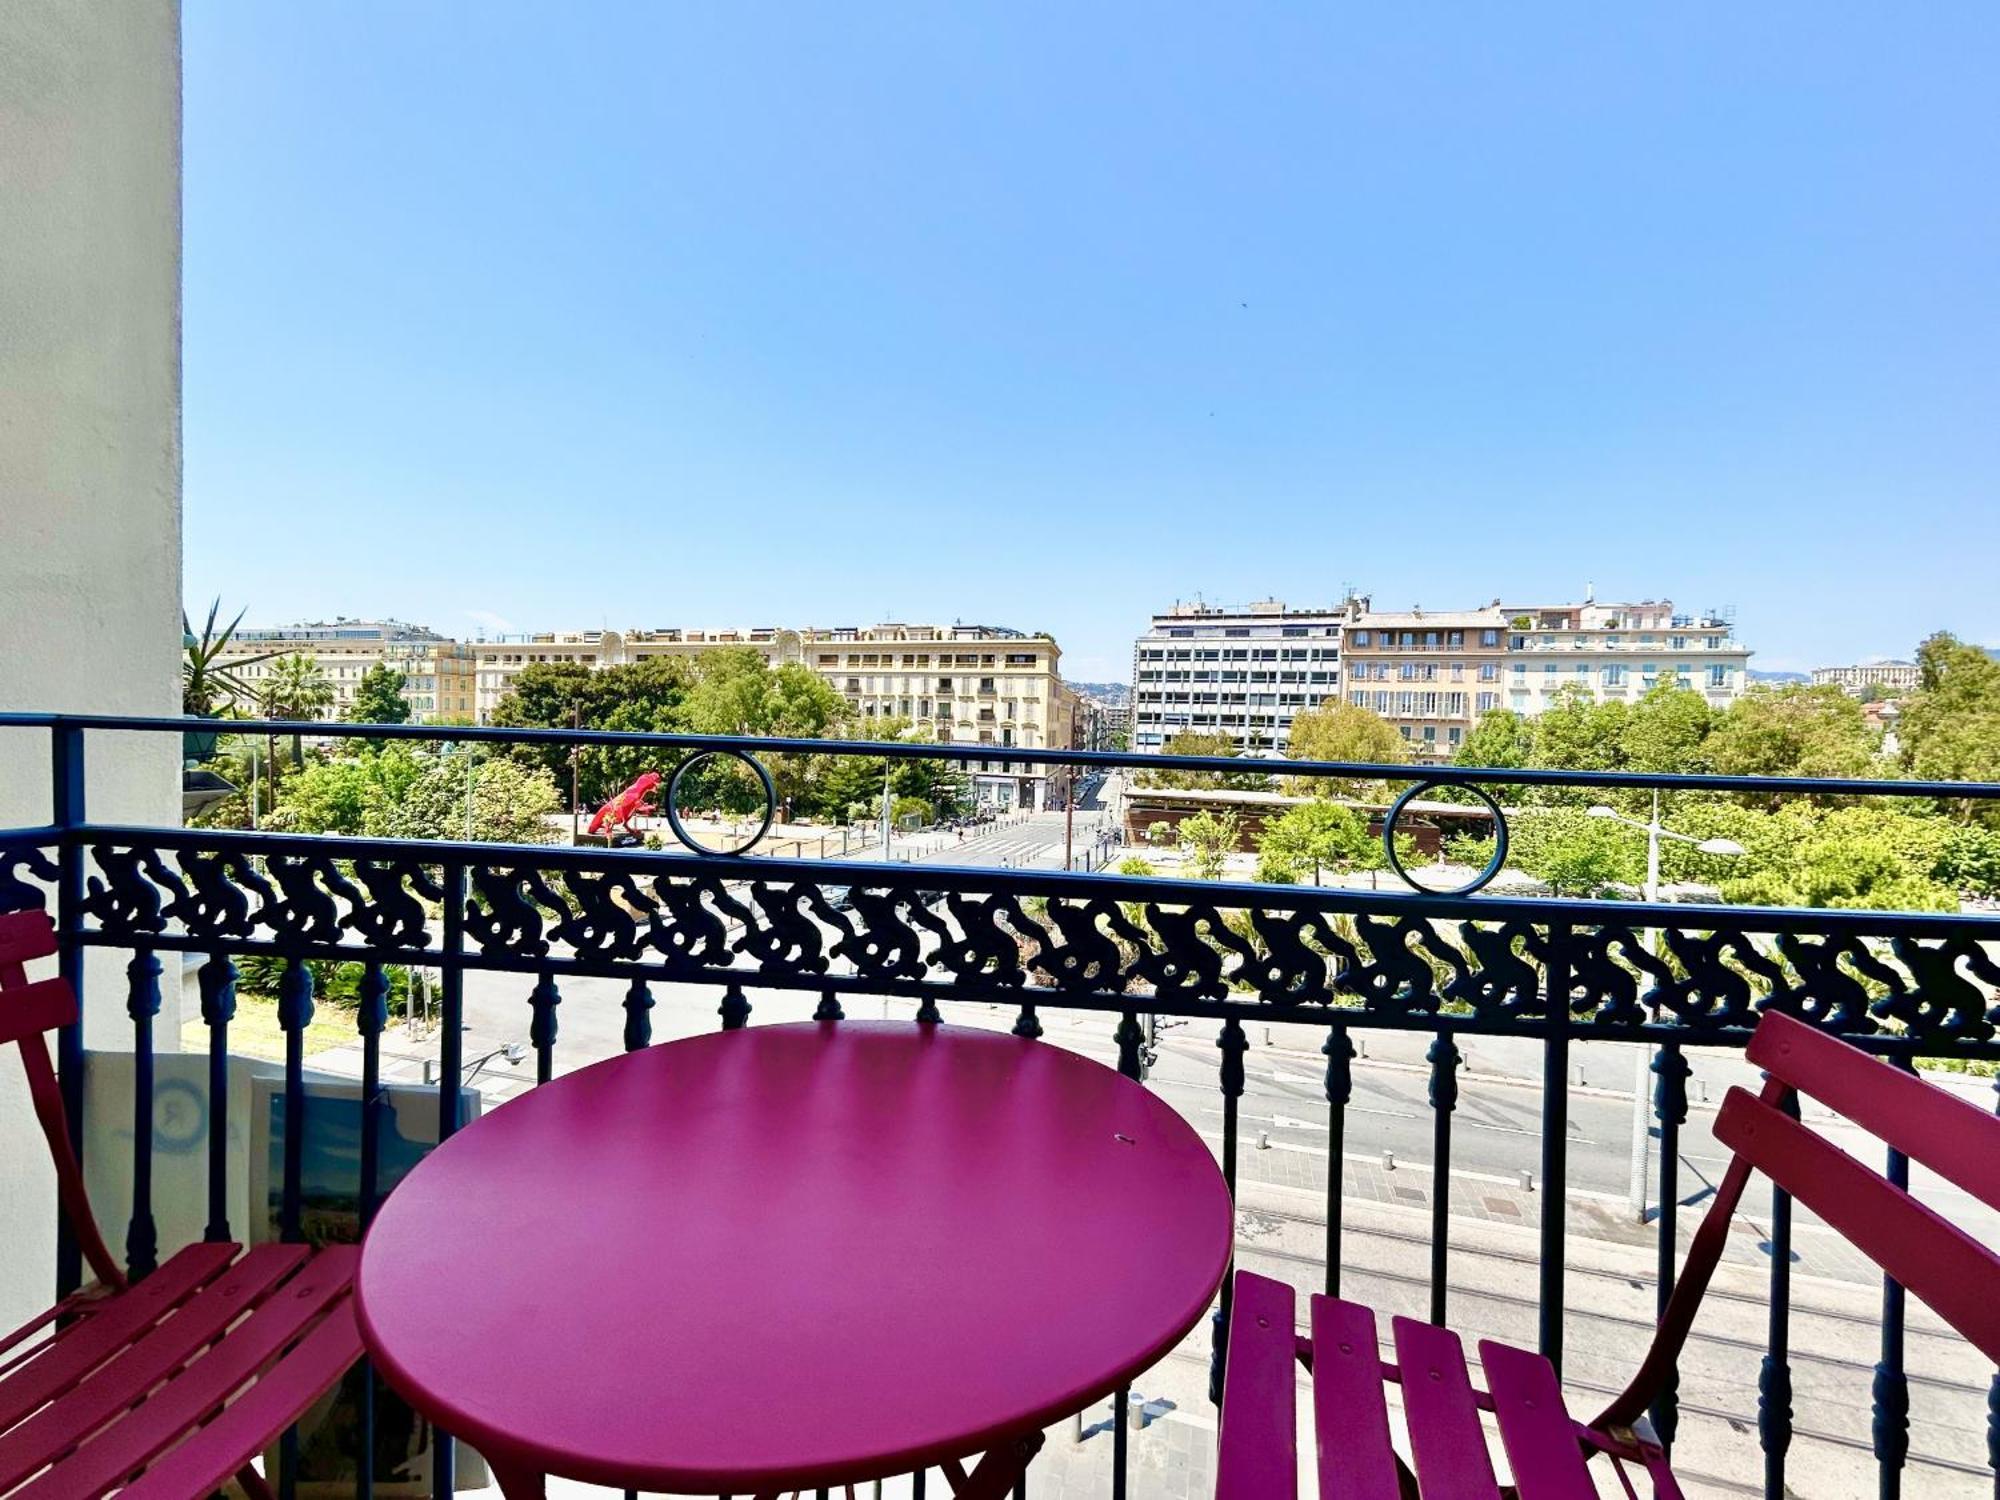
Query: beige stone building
{"type": "Point", "coordinates": [439, 683]}
{"type": "Point", "coordinates": [1431, 673]}
{"type": "Point", "coordinates": [972, 684]}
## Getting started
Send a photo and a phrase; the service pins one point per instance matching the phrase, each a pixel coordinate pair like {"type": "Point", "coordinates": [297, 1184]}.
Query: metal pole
{"type": "Point", "coordinates": [1069, 813]}
{"type": "Point", "coordinates": [575, 777]}
{"type": "Point", "coordinates": [468, 793]}
{"type": "Point", "coordinates": [1642, 1130]}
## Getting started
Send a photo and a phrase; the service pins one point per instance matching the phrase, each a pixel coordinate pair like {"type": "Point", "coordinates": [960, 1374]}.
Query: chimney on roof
{"type": "Point", "coordinates": [1589, 592]}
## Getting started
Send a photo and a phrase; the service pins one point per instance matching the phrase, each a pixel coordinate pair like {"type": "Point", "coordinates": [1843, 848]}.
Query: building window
{"type": "Point", "coordinates": [1452, 734]}
{"type": "Point", "coordinates": [1487, 702]}
{"type": "Point", "coordinates": [1718, 677]}
{"type": "Point", "coordinates": [1430, 731]}
{"type": "Point", "coordinates": [1489, 672]}
{"type": "Point", "coordinates": [1360, 637]}
{"type": "Point", "coordinates": [1489, 637]}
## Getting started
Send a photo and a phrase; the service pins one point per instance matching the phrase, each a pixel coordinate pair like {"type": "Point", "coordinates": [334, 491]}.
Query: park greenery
{"type": "Point", "coordinates": [514, 794]}
{"type": "Point", "coordinates": [1883, 852]}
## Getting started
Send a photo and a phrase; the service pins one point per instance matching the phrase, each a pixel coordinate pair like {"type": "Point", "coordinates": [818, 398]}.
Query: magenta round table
{"type": "Point", "coordinates": [793, 1256]}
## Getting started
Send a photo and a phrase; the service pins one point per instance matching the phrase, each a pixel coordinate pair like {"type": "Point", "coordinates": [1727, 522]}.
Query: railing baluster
{"type": "Point", "coordinates": [218, 1008]}
{"type": "Point", "coordinates": [1555, 1149]}
{"type": "Point", "coordinates": [1130, 1035]}
{"type": "Point", "coordinates": [66, 804]}
{"type": "Point", "coordinates": [1891, 1384]}
{"type": "Point", "coordinates": [451, 1069]}
{"type": "Point", "coordinates": [1670, 1108]}
{"type": "Point", "coordinates": [1338, 1049]}
{"type": "Point", "coordinates": [735, 1008]}
{"type": "Point", "coordinates": [542, 1002]}
{"type": "Point", "coordinates": [371, 1018]}
{"type": "Point", "coordinates": [295, 1013]}
{"type": "Point", "coordinates": [638, 1015]}
{"type": "Point", "coordinates": [142, 1004]}
{"type": "Point", "coordinates": [1774, 1376]}
{"type": "Point", "coordinates": [829, 1007]}
{"type": "Point", "coordinates": [1028, 1024]}
{"type": "Point", "coordinates": [927, 1009]}
{"type": "Point", "coordinates": [1444, 1059]}
{"type": "Point", "coordinates": [1233, 1044]}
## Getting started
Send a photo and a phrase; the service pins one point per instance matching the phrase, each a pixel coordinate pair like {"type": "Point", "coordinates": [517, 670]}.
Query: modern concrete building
{"type": "Point", "coordinates": [1243, 671]}
{"type": "Point", "coordinates": [1898, 677]}
{"type": "Point", "coordinates": [1619, 652]}
{"type": "Point", "coordinates": [1431, 673]}
{"type": "Point", "coordinates": [90, 469]}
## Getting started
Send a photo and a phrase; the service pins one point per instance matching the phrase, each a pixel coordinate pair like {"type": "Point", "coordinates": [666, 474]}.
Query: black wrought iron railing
{"type": "Point", "coordinates": [1672, 977]}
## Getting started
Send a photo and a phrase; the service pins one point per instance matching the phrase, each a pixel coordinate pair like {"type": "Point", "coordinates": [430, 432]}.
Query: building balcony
{"type": "Point", "coordinates": [1451, 1073]}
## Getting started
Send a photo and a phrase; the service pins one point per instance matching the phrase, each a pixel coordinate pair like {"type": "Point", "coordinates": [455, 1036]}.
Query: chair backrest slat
{"type": "Point", "coordinates": [1952, 1136]}
{"type": "Point", "coordinates": [30, 1009]}
{"type": "Point", "coordinates": [27, 1010]}
{"type": "Point", "coordinates": [1952, 1272]}
{"type": "Point", "coordinates": [24, 936]}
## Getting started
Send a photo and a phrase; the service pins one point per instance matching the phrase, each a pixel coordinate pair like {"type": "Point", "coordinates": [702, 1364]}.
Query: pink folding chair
{"type": "Point", "coordinates": [1546, 1448]}
{"type": "Point", "coordinates": [164, 1388]}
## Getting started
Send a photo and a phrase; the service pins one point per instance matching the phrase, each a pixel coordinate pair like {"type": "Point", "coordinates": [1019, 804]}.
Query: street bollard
{"type": "Point", "coordinates": [1576, 1076]}
{"type": "Point", "coordinates": [1135, 1413]}
{"type": "Point", "coordinates": [1361, 1047]}
{"type": "Point", "coordinates": [1527, 1180]}
{"type": "Point", "coordinates": [1263, 1140]}
{"type": "Point", "coordinates": [1076, 1429]}
{"type": "Point", "coordinates": [1267, 1036]}
{"type": "Point", "coordinates": [1388, 1160]}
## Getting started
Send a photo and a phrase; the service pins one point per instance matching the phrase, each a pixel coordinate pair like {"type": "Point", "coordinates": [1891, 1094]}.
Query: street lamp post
{"type": "Point", "coordinates": [1642, 1130]}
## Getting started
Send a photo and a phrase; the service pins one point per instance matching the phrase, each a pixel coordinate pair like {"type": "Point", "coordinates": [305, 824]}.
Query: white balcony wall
{"type": "Point", "coordinates": [90, 462]}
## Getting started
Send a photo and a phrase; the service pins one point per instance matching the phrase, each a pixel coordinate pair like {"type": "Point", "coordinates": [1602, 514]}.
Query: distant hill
{"type": "Point", "coordinates": [1759, 675]}
{"type": "Point", "coordinates": [1105, 692]}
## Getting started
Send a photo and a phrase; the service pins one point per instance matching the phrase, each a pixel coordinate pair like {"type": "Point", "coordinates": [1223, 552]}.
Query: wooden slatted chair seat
{"type": "Point", "coordinates": [166, 1387]}
{"type": "Point", "coordinates": [1547, 1450]}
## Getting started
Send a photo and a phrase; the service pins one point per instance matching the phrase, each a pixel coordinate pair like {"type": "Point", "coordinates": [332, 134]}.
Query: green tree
{"type": "Point", "coordinates": [1207, 841]}
{"type": "Point", "coordinates": [1666, 731]}
{"type": "Point", "coordinates": [1950, 727]}
{"type": "Point", "coordinates": [648, 696]}
{"type": "Point", "coordinates": [1311, 838]}
{"type": "Point", "coordinates": [1347, 732]}
{"type": "Point", "coordinates": [1188, 742]}
{"type": "Point", "coordinates": [295, 688]}
{"type": "Point", "coordinates": [1502, 739]}
{"type": "Point", "coordinates": [1574, 853]}
{"type": "Point", "coordinates": [510, 802]}
{"type": "Point", "coordinates": [378, 697]}
{"type": "Point", "coordinates": [1577, 733]}
{"type": "Point", "coordinates": [1792, 730]}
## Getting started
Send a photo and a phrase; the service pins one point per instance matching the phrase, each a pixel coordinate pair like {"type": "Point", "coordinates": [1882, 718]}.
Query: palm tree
{"type": "Point", "coordinates": [205, 687]}
{"type": "Point", "coordinates": [295, 688]}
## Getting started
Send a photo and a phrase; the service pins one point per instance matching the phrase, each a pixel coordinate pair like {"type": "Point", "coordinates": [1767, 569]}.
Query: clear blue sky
{"type": "Point", "coordinates": [1048, 314]}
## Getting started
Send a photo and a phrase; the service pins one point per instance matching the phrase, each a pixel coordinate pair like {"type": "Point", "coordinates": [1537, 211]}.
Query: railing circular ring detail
{"type": "Point", "coordinates": [674, 795]}
{"type": "Point", "coordinates": [1493, 865]}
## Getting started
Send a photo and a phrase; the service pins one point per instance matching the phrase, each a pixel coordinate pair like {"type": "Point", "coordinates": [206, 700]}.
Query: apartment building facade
{"type": "Point", "coordinates": [1431, 673]}
{"type": "Point", "coordinates": [500, 659]}
{"type": "Point", "coordinates": [1898, 677]}
{"type": "Point", "coordinates": [1620, 652]}
{"type": "Point", "coordinates": [1242, 671]}
{"type": "Point", "coordinates": [968, 684]}
{"type": "Point", "coordinates": [439, 682]}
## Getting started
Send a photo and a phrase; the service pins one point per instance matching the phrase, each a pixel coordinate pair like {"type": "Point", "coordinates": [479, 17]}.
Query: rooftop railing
{"type": "Point", "coordinates": [1237, 955]}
